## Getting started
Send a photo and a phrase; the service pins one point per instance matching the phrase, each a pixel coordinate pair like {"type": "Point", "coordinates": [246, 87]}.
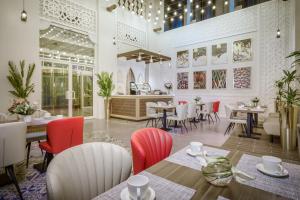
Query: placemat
{"type": "Point", "coordinates": [182, 158]}
{"type": "Point", "coordinates": [164, 189]}
{"type": "Point", "coordinates": [288, 187]}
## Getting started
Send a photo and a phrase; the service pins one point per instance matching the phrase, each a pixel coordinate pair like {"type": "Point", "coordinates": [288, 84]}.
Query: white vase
{"type": "Point", "coordinates": [25, 118]}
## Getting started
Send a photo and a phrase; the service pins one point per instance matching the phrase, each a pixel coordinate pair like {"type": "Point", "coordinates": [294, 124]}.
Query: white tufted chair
{"type": "Point", "coordinates": [12, 146]}
{"type": "Point", "coordinates": [85, 171]}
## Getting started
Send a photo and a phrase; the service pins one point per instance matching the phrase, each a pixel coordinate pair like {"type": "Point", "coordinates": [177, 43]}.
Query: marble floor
{"type": "Point", "coordinates": [211, 134]}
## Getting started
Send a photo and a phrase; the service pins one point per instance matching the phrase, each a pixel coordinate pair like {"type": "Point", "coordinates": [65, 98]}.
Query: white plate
{"type": "Point", "coordinates": [191, 153]}
{"type": "Point", "coordinates": [260, 167]}
{"type": "Point", "coordinates": [149, 196]}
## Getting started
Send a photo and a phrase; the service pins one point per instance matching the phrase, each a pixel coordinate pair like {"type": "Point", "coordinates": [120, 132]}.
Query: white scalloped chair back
{"type": "Point", "coordinates": [85, 171]}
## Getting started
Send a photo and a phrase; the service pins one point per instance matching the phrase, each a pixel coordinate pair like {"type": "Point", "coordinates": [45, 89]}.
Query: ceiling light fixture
{"type": "Point", "coordinates": [226, 3]}
{"type": "Point", "coordinates": [278, 34]}
{"type": "Point", "coordinates": [23, 13]}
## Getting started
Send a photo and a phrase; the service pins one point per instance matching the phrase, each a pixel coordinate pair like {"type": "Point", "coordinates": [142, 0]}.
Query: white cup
{"type": "Point", "coordinates": [47, 115]}
{"type": "Point", "coordinates": [196, 147]}
{"type": "Point", "coordinates": [137, 186]}
{"type": "Point", "coordinates": [272, 164]}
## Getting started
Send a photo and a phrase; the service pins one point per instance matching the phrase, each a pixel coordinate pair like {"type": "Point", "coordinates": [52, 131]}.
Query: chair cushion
{"type": "Point", "coordinates": [272, 126]}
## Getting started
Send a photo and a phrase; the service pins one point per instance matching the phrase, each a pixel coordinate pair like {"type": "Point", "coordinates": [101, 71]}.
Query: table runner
{"type": "Point", "coordinates": [163, 188]}
{"type": "Point", "coordinates": [288, 187]}
{"type": "Point", "coordinates": [182, 158]}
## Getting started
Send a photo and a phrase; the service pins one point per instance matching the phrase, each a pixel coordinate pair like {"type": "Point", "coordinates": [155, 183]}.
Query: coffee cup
{"type": "Point", "coordinates": [47, 115]}
{"type": "Point", "coordinates": [272, 164]}
{"type": "Point", "coordinates": [137, 186]}
{"type": "Point", "coordinates": [196, 147]}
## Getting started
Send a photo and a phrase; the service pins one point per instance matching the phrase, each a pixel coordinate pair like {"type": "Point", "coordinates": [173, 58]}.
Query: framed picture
{"type": "Point", "coordinates": [199, 57]}
{"type": "Point", "coordinates": [199, 79]}
{"type": "Point", "coordinates": [242, 50]}
{"type": "Point", "coordinates": [182, 80]}
{"type": "Point", "coordinates": [219, 79]}
{"type": "Point", "coordinates": [219, 54]}
{"type": "Point", "coordinates": [182, 59]}
{"type": "Point", "coordinates": [242, 77]}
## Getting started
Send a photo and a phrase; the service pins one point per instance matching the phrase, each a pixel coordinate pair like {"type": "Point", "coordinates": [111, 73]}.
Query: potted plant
{"type": "Point", "coordinates": [23, 109]}
{"type": "Point", "coordinates": [279, 84]}
{"type": "Point", "coordinates": [106, 86]}
{"type": "Point", "coordinates": [21, 80]}
{"type": "Point", "coordinates": [197, 99]}
{"type": "Point", "coordinates": [255, 101]}
{"type": "Point", "coordinates": [289, 108]}
{"type": "Point", "coordinates": [168, 86]}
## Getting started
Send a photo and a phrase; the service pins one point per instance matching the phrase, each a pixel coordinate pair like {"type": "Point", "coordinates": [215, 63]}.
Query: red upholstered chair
{"type": "Point", "coordinates": [216, 106]}
{"type": "Point", "coordinates": [61, 135]}
{"type": "Point", "coordinates": [149, 146]}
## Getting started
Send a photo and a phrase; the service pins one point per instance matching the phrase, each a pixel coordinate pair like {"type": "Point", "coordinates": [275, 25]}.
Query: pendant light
{"type": "Point", "coordinates": [278, 34]}
{"type": "Point", "coordinates": [23, 13]}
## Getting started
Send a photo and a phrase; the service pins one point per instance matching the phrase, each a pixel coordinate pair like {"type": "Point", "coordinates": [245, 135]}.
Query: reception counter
{"type": "Point", "coordinates": [133, 107]}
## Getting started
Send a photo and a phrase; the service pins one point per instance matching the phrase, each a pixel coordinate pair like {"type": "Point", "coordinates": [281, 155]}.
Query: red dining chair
{"type": "Point", "coordinates": [216, 106]}
{"type": "Point", "coordinates": [182, 102]}
{"type": "Point", "coordinates": [61, 135]}
{"type": "Point", "coordinates": [149, 146]}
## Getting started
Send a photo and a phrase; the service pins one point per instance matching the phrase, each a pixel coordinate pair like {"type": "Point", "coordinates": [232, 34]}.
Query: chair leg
{"type": "Point", "coordinates": [47, 159]}
{"type": "Point", "coordinates": [148, 122]}
{"type": "Point", "coordinates": [41, 149]}
{"type": "Point", "coordinates": [11, 173]}
{"type": "Point", "coordinates": [227, 129]}
{"type": "Point", "coordinates": [28, 146]}
{"type": "Point", "coordinates": [185, 126]}
{"type": "Point", "coordinates": [191, 125]}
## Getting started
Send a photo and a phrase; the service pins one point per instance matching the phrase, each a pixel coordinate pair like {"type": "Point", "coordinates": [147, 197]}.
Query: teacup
{"type": "Point", "coordinates": [47, 115]}
{"type": "Point", "coordinates": [196, 147]}
{"type": "Point", "coordinates": [272, 164]}
{"type": "Point", "coordinates": [137, 186]}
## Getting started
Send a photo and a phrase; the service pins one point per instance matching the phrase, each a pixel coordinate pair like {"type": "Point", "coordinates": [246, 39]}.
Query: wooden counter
{"type": "Point", "coordinates": [133, 107]}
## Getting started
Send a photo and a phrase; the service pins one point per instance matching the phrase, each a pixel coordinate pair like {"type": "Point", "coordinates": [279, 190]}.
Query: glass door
{"type": "Point", "coordinates": [67, 89]}
{"type": "Point", "coordinates": [54, 88]}
{"type": "Point", "coordinates": [82, 82]}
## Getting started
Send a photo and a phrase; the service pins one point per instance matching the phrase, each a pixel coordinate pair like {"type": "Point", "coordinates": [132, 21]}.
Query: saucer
{"type": "Point", "coordinates": [191, 153]}
{"type": "Point", "coordinates": [260, 167]}
{"type": "Point", "coordinates": [149, 196]}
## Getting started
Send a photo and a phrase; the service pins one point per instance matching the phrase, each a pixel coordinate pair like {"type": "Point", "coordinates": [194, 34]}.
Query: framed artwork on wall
{"type": "Point", "coordinates": [199, 79]}
{"type": "Point", "coordinates": [242, 50]}
{"type": "Point", "coordinates": [219, 54]}
{"type": "Point", "coordinates": [182, 59]}
{"type": "Point", "coordinates": [199, 57]}
{"type": "Point", "coordinates": [182, 80]}
{"type": "Point", "coordinates": [219, 79]}
{"type": "Point", "coordinates": [242, 77]}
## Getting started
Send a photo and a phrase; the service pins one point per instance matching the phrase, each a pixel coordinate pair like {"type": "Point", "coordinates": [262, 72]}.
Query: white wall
{"type": "Point", "coordinates": [18, 41]}
{"type": "Point", "coordinates": [258, 23]}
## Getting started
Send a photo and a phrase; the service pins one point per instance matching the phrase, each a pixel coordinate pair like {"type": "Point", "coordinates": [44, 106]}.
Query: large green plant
{"type": "Point", "coordinates": [20, 80]}
{"type": "Point", "coordinates": [105, 83]}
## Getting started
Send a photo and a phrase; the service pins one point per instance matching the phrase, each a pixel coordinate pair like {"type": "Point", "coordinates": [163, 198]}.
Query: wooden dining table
{"type": "Point", "coordinates": [192, 178]}
{"type": "Point", "coordinates": [252, 119]}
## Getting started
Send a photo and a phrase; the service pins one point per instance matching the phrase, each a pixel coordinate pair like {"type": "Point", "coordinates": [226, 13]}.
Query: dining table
{"type": "Point", "coordinates": [252, 118]}
{"type": "Point", "coordinates": [165, 108]}
{"type": "Point", "coordinates": [192, 178]}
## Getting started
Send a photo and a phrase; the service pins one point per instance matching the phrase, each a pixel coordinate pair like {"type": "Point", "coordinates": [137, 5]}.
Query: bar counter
{"type": "Point", "coordinates": [133, 107]}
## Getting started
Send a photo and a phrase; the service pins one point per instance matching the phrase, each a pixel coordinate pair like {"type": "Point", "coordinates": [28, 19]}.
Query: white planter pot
{"type": "Point", "coordinates": [25, 118]}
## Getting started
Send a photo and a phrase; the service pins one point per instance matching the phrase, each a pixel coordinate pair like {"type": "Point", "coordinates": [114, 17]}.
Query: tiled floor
{"type": "Point", "coordinates": [212, 134]}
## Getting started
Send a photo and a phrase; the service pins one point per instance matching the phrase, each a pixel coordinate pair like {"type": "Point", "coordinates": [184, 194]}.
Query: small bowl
{"type": "Point", "coordinates": [218, 172]}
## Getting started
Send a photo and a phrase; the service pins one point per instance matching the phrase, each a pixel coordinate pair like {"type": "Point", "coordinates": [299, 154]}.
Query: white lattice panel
{"type": "Point", "coordinates": [131, 35]}
{"type": "Point", "coordinates": [69, 13]}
